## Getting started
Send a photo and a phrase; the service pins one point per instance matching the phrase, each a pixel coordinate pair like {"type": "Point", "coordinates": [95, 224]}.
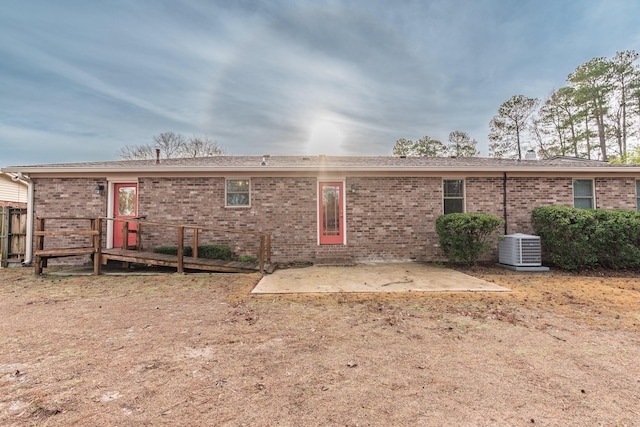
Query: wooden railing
{"type": "Point", "coordinates": [95, 244]}
{"type": "Point", "coordinates": [93, 233]}
{"type": "Point", "coordinates": [264, 255]}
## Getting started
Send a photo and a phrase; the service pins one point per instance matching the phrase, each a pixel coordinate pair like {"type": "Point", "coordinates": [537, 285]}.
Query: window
{"type": "Point", "coordinates": [237, 192]}
{"type": "Point", "coordinates": [638, 194]}
{"type": "Point", "coordinates": [453, 191]}
{"type": "Point", "coordinates": [583, 193]}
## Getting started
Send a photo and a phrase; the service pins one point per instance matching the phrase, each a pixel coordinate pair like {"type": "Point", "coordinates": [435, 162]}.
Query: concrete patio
{"type": "Point", "coordinates": [376, 277]}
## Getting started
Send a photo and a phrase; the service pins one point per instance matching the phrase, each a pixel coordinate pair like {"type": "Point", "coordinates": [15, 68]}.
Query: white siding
{"type": "Point", "coordinates": [12, 191]}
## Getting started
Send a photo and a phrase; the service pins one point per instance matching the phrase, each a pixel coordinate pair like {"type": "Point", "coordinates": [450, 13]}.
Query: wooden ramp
{"type": "Point", "coordinates": [190, 263]}
{"type": "Point", "coordinates": [70, 229]}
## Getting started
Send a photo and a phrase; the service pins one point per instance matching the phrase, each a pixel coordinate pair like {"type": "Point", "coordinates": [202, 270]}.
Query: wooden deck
{"type": "Point", "coordinates": [190, 263]}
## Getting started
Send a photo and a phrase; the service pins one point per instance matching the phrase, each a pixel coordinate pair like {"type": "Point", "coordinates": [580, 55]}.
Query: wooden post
{"type": "Point", "coordinates": [125, 235]}
{"type": "Point", "coordinates": [269, 247]}
{"type": "Point", "coordinates": [125, 240]}
{"type": "Point", "coordinates": [139, 237]}
{"type": "Point", "coordinates": [4, 235]}
{"type": "Point", "coordinates": [180, 249]}
{"type": "Point", "coordinates": [39, 245]}
{"type": "Point", "coordinates": [195, 242]}
{"type": "Point", "coordinates": [262, 240]}
{"type": "Point", "coordinates": [96, 225]}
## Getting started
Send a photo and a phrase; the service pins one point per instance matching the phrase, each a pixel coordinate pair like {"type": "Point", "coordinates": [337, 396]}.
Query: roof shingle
{"type": "Point", "coordinates": [325, 162]}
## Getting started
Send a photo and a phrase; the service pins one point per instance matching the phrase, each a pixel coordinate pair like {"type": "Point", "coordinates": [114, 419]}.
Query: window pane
{"type": "Point", "coordinates": [453, 188]}
{"type": "Point", "coordinates": [238, 192]}
{"type": "Point", "coordinates": [234, 185]}
{"type": "Point", "coordinates": [583, 203]}
{"type": "Point", "coordinates": [582, 188]}
{"type": "Point", "coordinates": [127, 201]}
{"type": "Point", "coordinates": [330, 210]}
{"type": "Point", "coordinates": [237, 199]}
{"type": "Point", "coordinates": [453, 206]}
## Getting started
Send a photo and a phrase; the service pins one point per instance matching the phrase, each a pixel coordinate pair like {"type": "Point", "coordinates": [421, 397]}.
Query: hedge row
{"type": "Point", "coordinates": [574, 239]}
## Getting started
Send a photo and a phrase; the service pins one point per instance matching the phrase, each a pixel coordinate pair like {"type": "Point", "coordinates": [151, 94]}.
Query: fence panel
{"type": "Point", "coordinates": [13, 235]}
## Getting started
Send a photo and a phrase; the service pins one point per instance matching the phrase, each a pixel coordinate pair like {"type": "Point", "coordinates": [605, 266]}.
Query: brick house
{"type": "Point", "coordinates": [318, 207]}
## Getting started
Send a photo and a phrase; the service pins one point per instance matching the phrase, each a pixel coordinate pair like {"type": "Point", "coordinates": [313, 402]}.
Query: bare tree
{"type": "Point", "coordinates": [201, 146]}
{"type": "Point", "coordinates": [169, 143]}
{"type": "Point", "coordinates": [132, 152]}
{"type": "Point", "coordinates": [172, 145]}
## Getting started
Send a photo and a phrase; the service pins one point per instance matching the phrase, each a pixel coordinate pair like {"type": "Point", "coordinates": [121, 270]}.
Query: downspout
{"type": "Point", "coordinates": [28, 249]}
{"type": "Point", "coordinates": [504, 201]}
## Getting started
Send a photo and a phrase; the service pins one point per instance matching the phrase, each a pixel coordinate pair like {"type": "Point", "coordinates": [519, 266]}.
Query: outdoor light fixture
{"type": "Point", "coordinates": [353, 188]}
{"type": "Point", "coordinates": [99, 190]}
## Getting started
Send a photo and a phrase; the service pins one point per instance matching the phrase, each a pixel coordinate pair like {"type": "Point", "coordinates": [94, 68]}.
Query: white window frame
{"type": "Point", "coordinates": [593, 191]}
{"type": "Point", "coordinates": [226, 199]}
{"type": "Point", "coordinates": [464, 194]}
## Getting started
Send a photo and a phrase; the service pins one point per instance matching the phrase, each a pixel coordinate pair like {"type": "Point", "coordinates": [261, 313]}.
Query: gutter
{"type": "Point", "coordinates": [504, 201]}
{"type": "Point", "coordinates": [28, 250]}
{"type": "Point", "coordinates": [95, 171]}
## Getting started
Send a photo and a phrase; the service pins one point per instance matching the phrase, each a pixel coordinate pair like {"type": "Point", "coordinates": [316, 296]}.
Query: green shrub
{"type": "Point", "coordinates": [617, 239]}
{"type": "Point", "coordinates": [464, 237]}
{"type": "Point", "coordinates": [206, 251]}
{"type": "Point", "coordinates": [573, 238]}
{"type": "Point", "coordinates": [173, 250]}
{"type": "Point", "coordinates": [248, 258]}
{"type": "Point", "coordinates": [215, 252]}
{"type": "Point", "coordinates": [566, 234]}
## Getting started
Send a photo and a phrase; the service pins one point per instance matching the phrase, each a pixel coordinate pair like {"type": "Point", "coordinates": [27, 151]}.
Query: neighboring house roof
{"type": "Point", "coordinates": [328, 163]}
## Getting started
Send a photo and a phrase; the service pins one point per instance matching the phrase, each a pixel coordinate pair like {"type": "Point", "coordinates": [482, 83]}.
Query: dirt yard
{"type": "Point", "coordinates": [560, 350]}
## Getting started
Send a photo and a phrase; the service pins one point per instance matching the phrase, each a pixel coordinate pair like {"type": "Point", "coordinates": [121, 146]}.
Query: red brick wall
{"type": "Point", "coordinates": [285, 207]}
{"type": "Point", "coordinates": [525, 194]}
{"type": "Point", "coordinates": [393, 218]}
{"type": "Point", "coordinates": [388, 218]}
{"type": "Point", "coordinates": [68, 197]}
{"type": "Point", "coordinates": [615, 193]}
{"type": "Point", "coordinates": [484, 195]}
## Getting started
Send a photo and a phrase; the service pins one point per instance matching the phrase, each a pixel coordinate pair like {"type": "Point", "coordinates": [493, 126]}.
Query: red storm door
{"type": "Point", "coordinates": [331, 216]}
{"type": "Point", "coordinates": [125, 205]}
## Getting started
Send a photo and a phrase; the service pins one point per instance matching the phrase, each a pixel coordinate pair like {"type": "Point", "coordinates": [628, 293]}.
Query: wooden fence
{"type": "Point", "coordinates": [13, 232]}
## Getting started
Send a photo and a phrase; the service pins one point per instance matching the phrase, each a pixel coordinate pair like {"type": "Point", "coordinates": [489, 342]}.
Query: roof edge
{"type": "Point", "coordinates": [172, 169]}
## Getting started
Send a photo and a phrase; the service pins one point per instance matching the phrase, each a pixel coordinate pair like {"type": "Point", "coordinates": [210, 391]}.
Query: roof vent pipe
{"type": "Point", "coordinates": [530, 155]}
{"type": "Point", "coordinates": [157, 156]}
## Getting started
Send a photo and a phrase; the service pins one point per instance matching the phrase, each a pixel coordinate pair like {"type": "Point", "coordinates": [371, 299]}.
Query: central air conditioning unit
{"type": "Point", "coordinates": [520, 250]}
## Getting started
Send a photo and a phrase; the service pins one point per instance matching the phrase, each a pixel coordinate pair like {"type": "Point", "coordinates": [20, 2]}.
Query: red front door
{"type": "Point", "coordinates": [330, 213]}
{"type": "Point", "coordinates": [125, 205]}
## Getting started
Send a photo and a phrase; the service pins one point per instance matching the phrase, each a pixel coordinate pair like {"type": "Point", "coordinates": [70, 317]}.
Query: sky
{"type": "Point", "coordinates": [79, 80]}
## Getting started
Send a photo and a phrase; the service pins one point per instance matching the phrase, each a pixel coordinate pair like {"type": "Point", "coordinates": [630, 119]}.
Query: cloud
{"type": "Point", "coordinates": [334, 61]}
{"type": "Point", "coordinates": [263, 77]}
